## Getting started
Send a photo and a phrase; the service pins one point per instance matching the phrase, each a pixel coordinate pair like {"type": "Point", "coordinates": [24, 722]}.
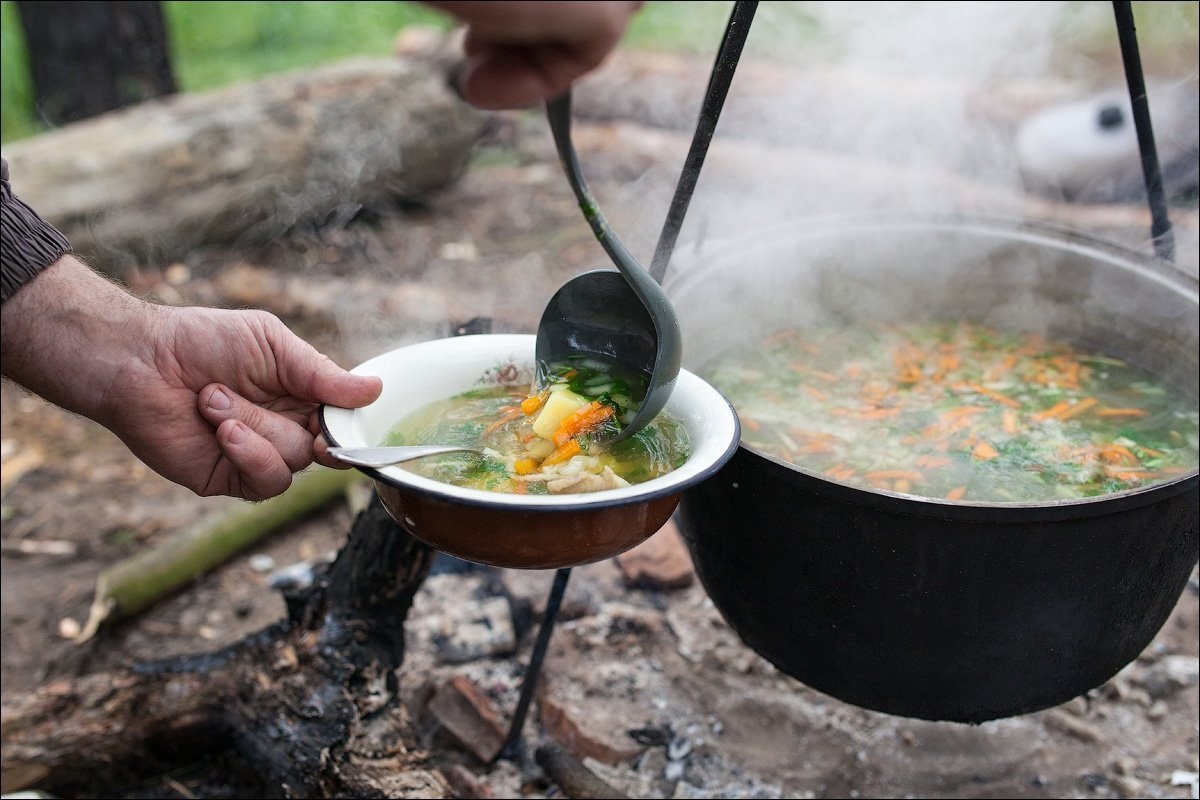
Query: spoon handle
{"type": "Point", "coordinates": [383, 456]}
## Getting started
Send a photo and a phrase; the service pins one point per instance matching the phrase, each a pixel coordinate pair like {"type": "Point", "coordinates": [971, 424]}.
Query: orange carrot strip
{"type": "Point", "coordinates": [1117, 454]}
{"type": "Point", "coordinates": [582, 421]}
{"type": "Point", "coordinates": [933, 462]}
{"type": "Point", "coordinates": [510, 413]}
{"type": "Point", "coordinates": [1132, 474]}
{"type": "Point", "coordinates": [961, 411]}
{"type": "Point", "coordinates": [1009, 422]}
{"type": "Point", "coordinates": [956, 493]}
{"type": "Point", "coordinates": [563, 453]}
{"type": "Point", "coordinates": [1080, 407]}
{"type": "Point", "coordinates": [1121, 412]}
{"type": "Point", "coordinates": [984, 451]}
{"type": "Point", "coordinates": [877, 413]}
{"type": "Point", "coordinates": [1052, 412]}
{"type": "Point", "coordinates": [992, 393]}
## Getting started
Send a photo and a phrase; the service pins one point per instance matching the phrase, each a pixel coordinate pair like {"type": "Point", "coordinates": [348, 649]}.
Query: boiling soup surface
{"type": "Point", "coordinates": [957, 411]}
{"type": "Point", "coordinates": [550, 439]}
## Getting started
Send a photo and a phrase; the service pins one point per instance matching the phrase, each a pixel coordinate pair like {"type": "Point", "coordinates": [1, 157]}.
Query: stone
{"type": "Point", "coordinates": [469, 717]}
{"type": "Point", "coordinates": [660, 562]}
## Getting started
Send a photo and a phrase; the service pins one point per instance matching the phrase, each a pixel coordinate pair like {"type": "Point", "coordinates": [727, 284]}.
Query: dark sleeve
{"type": "Point", "coordinates": [28, 244]}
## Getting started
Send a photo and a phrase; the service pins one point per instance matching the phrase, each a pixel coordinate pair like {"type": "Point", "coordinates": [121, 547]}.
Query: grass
{"type": "Point", "coordinates": [217, 43]}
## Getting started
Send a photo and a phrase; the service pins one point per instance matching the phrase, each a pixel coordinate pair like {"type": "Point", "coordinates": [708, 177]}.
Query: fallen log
{"type": "Point", "coordinates": [246, 163]}
{"type": "Point", "coordinates": [131, 585]}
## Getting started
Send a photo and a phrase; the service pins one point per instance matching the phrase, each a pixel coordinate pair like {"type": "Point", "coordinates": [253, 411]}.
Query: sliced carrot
{"type": "Point", "coordinates": [877, 413]}
{"type": "Point", "coordinates": [933, 462]}
{"type": "Point", "coordinates": [525, 466]}
{"type": "Point", "coordinates": [1009, 422]}
{"type": "Point", "coordinates": [521, 487]}
{"type": "Point", "coordinates": [961, 411]}
{"type": "Point", "coordinates": [509, 413]}
{"type": "Point", "coordinates": [1052, 412]}
{"type": "Point", "coordinates": [984, 451]}
{"type": "Point", "coordinates": [582, 421]}
{"type": "Point", "coordinates": [1117, 454]}
{"type": "Point", "coordinates": [1131, 474]}
{"type": "Point", "coordinates": [956, 493]}
{"type": "Point", "coordinates": [531, 404]}
{"type": "Point", "coordinates": [1121, 412]}
{"type": "Point", "coordinates": [1079, 408]}
{"type": "Point", "coordinates": [563, 453]}
{"type": "Point", "coordinates": [991, 393]}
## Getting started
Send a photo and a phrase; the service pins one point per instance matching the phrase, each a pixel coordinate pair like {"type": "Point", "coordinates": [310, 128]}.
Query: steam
{"type": "Point", "coordinates": [898, 106]}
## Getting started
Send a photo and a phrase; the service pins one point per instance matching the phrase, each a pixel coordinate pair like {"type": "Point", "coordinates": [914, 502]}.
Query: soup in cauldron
{"type": "Point", "coordinates": [957, 411]}
{"type": "Point", "coordinates": [551, 440]}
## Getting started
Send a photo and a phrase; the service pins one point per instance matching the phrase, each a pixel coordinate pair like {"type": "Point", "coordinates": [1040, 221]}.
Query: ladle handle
{"type": "Point", "coordinates": [558, 112]}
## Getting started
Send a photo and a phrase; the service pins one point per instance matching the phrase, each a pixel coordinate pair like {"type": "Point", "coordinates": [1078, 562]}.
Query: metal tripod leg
{"type": "Point", "coordinates": [512, 745]}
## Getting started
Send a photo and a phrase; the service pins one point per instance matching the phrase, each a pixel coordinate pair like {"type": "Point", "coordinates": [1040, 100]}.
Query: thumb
{"type": "Point", "coordinates": [312, 376]}
{"type": "Point", "coordinates": [333, 385]}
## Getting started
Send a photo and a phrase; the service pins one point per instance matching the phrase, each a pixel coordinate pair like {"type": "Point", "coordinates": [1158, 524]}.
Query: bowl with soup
{"type": "Point", "coordinates": [967, 480]}
{"type": "Point", "coordinates": [552, 485]}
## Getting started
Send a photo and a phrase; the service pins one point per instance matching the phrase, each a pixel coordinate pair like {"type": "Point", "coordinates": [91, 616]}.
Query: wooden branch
{"type": "Point", "coordinates": [132, 585]}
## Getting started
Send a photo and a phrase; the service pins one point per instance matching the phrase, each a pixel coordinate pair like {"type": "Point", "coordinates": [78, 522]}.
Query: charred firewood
{"type": "Point", "coordinates": [310, 703]}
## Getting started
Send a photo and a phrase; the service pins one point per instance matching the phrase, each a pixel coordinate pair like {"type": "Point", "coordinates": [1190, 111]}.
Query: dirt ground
{"type": "Point", "coordinates": [495, 244]}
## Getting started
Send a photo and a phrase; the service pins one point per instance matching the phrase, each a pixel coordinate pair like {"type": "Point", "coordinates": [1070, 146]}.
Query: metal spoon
{"type": "Point", "coordinates": [384, 456]}
{"type": "Point", "coordinates": [623, 315]}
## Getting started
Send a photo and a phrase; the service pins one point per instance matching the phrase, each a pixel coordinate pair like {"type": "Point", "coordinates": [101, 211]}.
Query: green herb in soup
{"type": "Point", "coordinates": [957, 411]}
{"type": "Point", "coordinates": [552, 440]}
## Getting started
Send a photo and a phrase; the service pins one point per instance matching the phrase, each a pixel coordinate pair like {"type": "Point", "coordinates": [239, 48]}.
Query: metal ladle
{"type": "Point", "coordinates": [624, 316]}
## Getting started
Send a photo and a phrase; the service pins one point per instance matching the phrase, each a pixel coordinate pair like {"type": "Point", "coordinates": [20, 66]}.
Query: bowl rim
{"type": "Point", "coordinates": [725, 440]}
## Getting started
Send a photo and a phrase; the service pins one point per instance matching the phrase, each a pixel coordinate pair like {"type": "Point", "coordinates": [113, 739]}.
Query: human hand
{"type": "Point", "coordinates": [523, 53]}
{"type": "Point", "coordinates": [222, 402]}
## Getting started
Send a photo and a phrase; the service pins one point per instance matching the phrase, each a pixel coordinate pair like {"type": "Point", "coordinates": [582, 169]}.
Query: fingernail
{"type": "Point", "coordinates": [218, 401]}
{"type": "Point", "coordinates": [237, 433]}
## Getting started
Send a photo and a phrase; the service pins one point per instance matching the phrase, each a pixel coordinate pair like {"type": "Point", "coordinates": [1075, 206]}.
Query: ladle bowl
{"type": "Point", "coordinates": [624, 316]}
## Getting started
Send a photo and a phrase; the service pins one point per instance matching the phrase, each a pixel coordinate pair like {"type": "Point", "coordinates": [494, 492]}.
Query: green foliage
{"type": "Point", "coordinates": [217, 43]}
{"type": "Point", "coordinates": [17, 118]}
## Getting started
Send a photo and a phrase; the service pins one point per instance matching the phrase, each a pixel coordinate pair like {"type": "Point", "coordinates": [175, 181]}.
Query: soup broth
{"type": "Point", "coordinates": [551, 440]}
{"type": "Point", "coordinates": [957, 411]}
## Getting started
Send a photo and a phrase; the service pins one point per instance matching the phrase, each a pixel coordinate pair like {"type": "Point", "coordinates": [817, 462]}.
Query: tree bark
{"type": "Point", "coordinates": [86, 58]}
{"type": "Point", "coordinates": [147, 184]}
{"type": "Point", "coordinates": [311, 703]}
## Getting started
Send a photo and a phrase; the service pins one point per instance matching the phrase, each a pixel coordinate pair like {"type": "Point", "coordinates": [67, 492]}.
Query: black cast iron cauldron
{"type": "Point", "coordinates": [936, 609]}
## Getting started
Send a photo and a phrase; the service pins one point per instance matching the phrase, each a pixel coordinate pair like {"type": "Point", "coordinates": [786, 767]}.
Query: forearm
{"type": "Point", "coordinates": [70, 334]}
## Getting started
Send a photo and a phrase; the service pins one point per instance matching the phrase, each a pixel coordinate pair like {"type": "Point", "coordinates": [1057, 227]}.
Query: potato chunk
{"type": "Point", "coordinates": [558, 407]}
